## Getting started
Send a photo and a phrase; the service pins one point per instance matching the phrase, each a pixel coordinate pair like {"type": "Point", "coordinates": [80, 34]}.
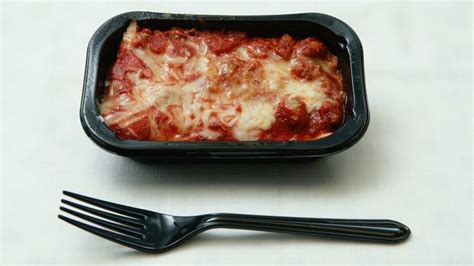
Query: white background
{"type": "Point", "coordinates": [414, 164]}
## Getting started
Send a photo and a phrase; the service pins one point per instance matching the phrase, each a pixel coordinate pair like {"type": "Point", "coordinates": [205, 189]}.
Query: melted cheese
{"type": "Point", "coordinates": [256, 116]}
{"type": "Point", "coordinates": [247, 104]}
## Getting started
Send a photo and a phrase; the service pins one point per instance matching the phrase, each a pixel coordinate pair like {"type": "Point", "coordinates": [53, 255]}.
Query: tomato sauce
{"type": "Point", "coordinates": [292, 120]}
{"type": "Point", "coordinates": [296, 124]}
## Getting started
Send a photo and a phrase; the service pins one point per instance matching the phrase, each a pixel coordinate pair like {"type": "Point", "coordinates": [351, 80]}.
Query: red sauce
{"type": "Point", "coordinates": [311, 48]}
{"type": "Point", "coordinates": [181, 48]}
{"type": "Point", "coordinates": [165, 125]}
{"type": "Point", "coordinates": [259, 47]}
{"type": "Point", "coordinates": [158, 42]}
{"type": "Point", "coordinates": [221, 42]}
{"type": "Point", "coordinates": [139, 130]}
{"type": "Point", "coordinates": [297, 124]}
{"type": "Point", "coordinates": [305, 69]}
{"type": "Point", "coordinates": [289, 122]}
{"type": "Point", "coordinates": [327, 118]}
{"type": "Point", "coordinates": [292, 119]}
{"type": "Point", "coordinates": [226, 133]}
{"type": "Point", "coordinates": [284, 46]}
{"type": "Point", "coordinates": [126, 62]}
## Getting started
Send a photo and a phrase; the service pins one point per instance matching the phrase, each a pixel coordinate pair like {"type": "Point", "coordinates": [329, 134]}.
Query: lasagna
{"type": "Point", "coordinates": [192, 85]}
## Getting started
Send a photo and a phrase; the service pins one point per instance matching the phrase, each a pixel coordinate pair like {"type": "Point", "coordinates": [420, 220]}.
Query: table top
{"type": "Point", "coordinates": [413, 165]}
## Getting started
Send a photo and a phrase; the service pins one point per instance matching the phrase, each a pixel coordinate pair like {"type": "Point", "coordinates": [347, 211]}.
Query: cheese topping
{"type": "Point", "coordinates": [190, 85]}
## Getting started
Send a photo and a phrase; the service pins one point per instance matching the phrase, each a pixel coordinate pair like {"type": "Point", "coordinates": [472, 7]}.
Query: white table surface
{"type": "Point", "coordinates": [414, 164]}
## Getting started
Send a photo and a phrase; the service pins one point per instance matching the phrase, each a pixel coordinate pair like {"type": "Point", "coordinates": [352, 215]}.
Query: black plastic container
{"type": "Point", "coordinates": [338, 37]}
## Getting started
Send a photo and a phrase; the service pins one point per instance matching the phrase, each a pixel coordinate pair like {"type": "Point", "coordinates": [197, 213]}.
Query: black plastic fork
{"type": "Point", "coordinates": [149, 231]}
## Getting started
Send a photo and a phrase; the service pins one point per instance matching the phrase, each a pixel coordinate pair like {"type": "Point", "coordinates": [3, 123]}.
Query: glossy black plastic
{"type": "Point", "coordinates": [338, 37]}
{"type": "Point", "coordinates": [148, 231]}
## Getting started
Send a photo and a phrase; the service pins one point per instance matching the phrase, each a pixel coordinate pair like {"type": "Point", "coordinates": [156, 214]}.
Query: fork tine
{"type": "Point", "coordinates": [107, 215]}
{"type": "Point", "coordinates": [117, 238]}
{"type": "Point", "coordinates": [122, 209]}
{"type": "Point", "coordinates": [119, 228]}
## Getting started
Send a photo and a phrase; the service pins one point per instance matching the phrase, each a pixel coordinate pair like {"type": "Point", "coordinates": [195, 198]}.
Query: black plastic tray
{"type": "Point", "coordinates": [338, 37]}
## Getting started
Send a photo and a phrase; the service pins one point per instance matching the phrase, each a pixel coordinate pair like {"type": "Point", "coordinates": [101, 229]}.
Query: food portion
{"type": "Point", "coordinates": [190, 85]}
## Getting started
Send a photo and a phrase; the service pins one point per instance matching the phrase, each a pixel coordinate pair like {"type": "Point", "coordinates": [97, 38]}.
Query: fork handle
{"type": "Point", "coordinates": [370, 230]}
